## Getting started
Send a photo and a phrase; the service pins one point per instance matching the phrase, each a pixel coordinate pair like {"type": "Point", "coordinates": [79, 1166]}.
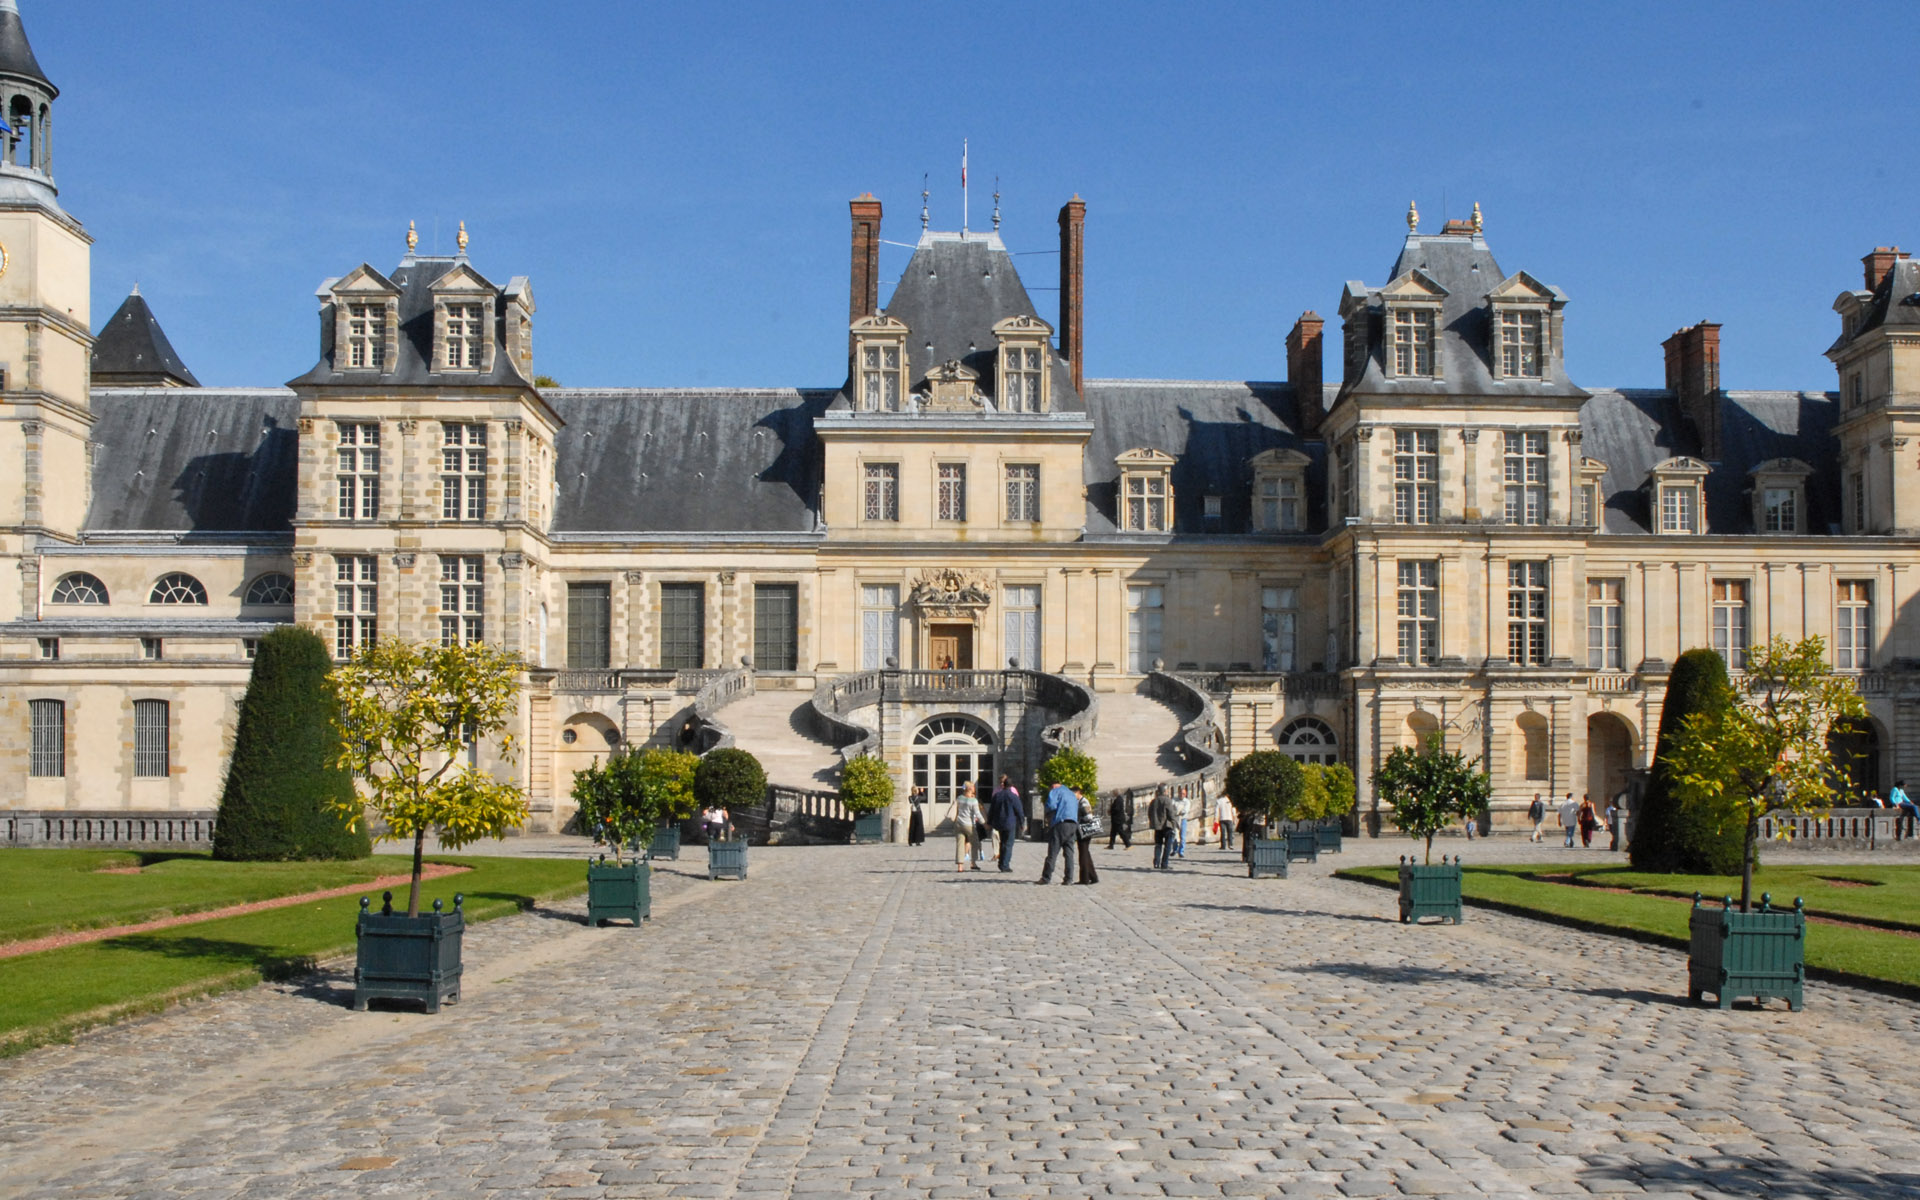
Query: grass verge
{"type": "Point", "coordinates": [1879, 960]}
{"type": "Point", "coordinates": [50, 995]}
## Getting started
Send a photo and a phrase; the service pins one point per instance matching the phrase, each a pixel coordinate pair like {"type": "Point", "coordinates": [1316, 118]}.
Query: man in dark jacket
{"type": "Point", "coordinates": [1120, 814]}
{"type": "Point", "coordinates": [1004, 815]}
{"type": "Point", "coordinates": [1163, 819]}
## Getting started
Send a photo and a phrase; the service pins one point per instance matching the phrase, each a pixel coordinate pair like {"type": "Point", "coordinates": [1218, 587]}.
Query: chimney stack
{"type": "Point", "coordinates": [1073, 225]}
{"type": "Point", "coordinates": [1305, 371]}
{"type": "Point", "coordinates": [865, 292]}
{"type": "Point", "coordinates": [1879, 264]}
{"type": "Point", "coordinates": [1693, 376]}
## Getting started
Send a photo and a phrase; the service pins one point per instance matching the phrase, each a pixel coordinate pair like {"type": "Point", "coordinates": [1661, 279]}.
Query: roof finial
{"type": "Point", "coordinates": [1476, 216]}
{"type": "Point", "coordinates": [413, 237]}
{"type": "Point", "coordinates": [1413, 218]}
{"type": "Point", "coordinates": [136, 288]}
{"type": "Point", "coordinates": [996, 204]}
{"type": "Point", "coordinates": [460, 239]}
{"type": "Point", "coordinates": [924, 193]}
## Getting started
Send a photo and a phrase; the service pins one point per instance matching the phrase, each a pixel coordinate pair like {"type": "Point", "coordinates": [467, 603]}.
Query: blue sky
{"type": "Point", "coordinates": [674, 178]}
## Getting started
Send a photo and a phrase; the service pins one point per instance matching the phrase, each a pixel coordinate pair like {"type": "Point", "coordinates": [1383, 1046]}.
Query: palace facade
{"type": "Point", "coordinates": [956, 551]}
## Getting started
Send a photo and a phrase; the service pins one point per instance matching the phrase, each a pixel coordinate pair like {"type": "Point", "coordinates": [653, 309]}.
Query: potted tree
{"type": "Point", "coordinates": [1267, 787]}
{"type": "Point", "coordinates": [733, 780]}
{"type": "Point", "coordinates": [615, 800]}
{"type": "Point", "coordinates": [866, 788]}
{"type": "Point", "coordinates": [1430, 788]}
{"type": "Point", "coordinates": [668, 777]}
{"type": "Point", "coordinates": [411, 718]}
{"type": "Point", "coordinates": [1763, 747]}
{"type": "Point", "coordinates": [1332, 789]}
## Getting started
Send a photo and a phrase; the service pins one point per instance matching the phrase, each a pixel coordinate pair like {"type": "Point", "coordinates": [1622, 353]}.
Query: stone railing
{"type": "Point", "coordinates": [186, 830]}
{"type": "Point", "coordinates": [1843, 828]}
{"type": "Point", "coordinates": [1304, 684]}
{"type": "Point", "coordinates": [613, 681]}
{"type": "Point", "coordinates": [836, 698]}
{"type": "Point", "coordinates": [1611, 683]}
{"type": "Point", "coordinates": [1200, 742]}
{"type": "Point", "coordinates": [720, 690]}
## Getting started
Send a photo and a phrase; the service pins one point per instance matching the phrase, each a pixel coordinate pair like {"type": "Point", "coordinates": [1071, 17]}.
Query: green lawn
{"type": "Point", "coordinates": [1657, 909]}
{"type": "Point", "coordinates": [47, 995]}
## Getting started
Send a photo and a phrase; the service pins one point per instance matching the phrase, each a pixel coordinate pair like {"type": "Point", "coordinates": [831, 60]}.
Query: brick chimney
{"type": "Point", "coordinates": [1693, 376]}
{"type": "Point", "coordinates": [1073, 228]}
{"type": "Point", "coordinates": [864, 298]}
{"type": "Point", "coordinates": [1879, 263]}
{"type": "Point", "coordinates": [1305, 370]}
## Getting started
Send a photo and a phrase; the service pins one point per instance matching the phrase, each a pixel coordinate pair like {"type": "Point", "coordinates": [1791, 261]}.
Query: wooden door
{"type": "Point", "coordinates": [950, 647]}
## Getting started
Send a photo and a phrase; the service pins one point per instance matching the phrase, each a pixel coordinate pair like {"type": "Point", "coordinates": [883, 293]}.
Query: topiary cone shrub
{"type": "Point", "coordinates": [730, 778]}
{"type": "Point", "coordinates": [1664, 837]}
{"type": "Point", "coordinates": [285, 785]}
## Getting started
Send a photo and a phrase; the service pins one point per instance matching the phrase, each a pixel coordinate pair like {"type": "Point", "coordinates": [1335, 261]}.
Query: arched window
{"type": "Point", "coordinates": [1309, 740]}
{"type": "Point", "coordinates": [1419, 729]}
{"type": "Point", "coordinates": [79, 588]}
{"type": "Point", "coordinates": [1531, 747]}
{"type": "Point", "coordinates": [273, 588]}
{"type": "Point", "coordinates": [177, 588]}
{"type": "Point", "coordinates": [949, 751]}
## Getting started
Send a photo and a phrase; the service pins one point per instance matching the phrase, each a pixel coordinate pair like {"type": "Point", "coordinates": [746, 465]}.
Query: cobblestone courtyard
{"type": "Point", "coordinates": [864, 1021]}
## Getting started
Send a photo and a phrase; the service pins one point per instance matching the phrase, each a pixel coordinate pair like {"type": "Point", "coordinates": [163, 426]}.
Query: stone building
{"type": "Point", "coordinates": [964, 554]}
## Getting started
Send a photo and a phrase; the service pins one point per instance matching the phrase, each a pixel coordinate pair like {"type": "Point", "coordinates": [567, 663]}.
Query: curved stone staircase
{"type": "Point", "coordinates": [772, 726]}
{"type": "Point", "coordinates": [1134, 741]}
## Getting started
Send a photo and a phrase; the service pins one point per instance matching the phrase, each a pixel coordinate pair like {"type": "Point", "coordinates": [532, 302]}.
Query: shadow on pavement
{"type": "Point", "coordinates": [1639, 996]}
{"type": "Point", "coordinates": [1256, 910]}
{"type": "Point", "coordinates": [1750, 1177]}
{"type": "Point", "coordinates": [1402, 973]}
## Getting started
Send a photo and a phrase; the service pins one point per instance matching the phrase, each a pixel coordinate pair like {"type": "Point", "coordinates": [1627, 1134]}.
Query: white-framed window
{"type": "Point", "coordinates": [951, 503]}
{"type": "Point", "coordinates": [1604, 623]}
{"type": "Point", "coordinates": [1146, 622]}
{"type": "Point", "coordinates": [1343, 471]}
{"type": "Point", "coordinates": [177, 587]}
{"type": "Point", "coordinates": [1279, 628]}
{"type": "Point", "coordinates": [152, 757]}
{"type": "Point", "coordinates": [880, 378]}
{"type": "Point", "coordinates": [366, 336]}
{"type": "Point", "coordinates": [1278, 498]}
{"type": "Point", "coordinates": [1020, 368]}
{"type": "Point", "coordinates": [1309, 740]}
{"type": "Point", "coordinates": [1780, 510]}
{"type": "Point", "coordinates": [1527, 613]}
{"type": "Point", "coordinates": [270, 590]}
{"type": "Point", "coordinates": [78, 588]}
{"type": "Point", "coordinates": [1853, 625]}
{"type": "Point", "coordinates": [879, 625]}
{"type": "Point", "coordinates": [463, 472]}
{"type": "Point", "coordinates": [356, 602]}
{"type": "Point", "coordinates": [1022, 607]}
{"type": "Point", "coordinates": [463, 599]}
{"type": "Point", "coordinates": [1416, 476]}
{"type": "Point", "coordinates": [47, 720]}
{"type": "Point", "coordinates": [1679, 508]}
{"type": "Point", "coordinates": [1523, 344]}
{"type": "Point", "coordinates": [153, 649]}
{"type": "Point", "coordinates": [1146, 502]}
{"type": "Point", "coordinates": [465, 334]}
{"type": "Point", "coordinates": [1413, 341]}
{"type": "Point", "coordinates": [1419, 604]}
{"type": "Point", "coordinates": [1525, 472]}
{"type": "Point", "coordinates": [1730, 636]}
{"type": "Point", "coordinates": [1023, 491]}
{"type": "Point", "coordinates": [359, 471]}
{"type": "Point", "coordinates": [1587, 505]}
{"type": "Point", "coordinates": [250, 648]}
{"type": "Point", "coordinates": [881, 488]}
{"type": "Point", "coordinates": [49, 649]}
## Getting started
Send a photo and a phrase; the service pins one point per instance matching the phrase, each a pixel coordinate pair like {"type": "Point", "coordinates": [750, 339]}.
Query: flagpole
{"type": "Point", "coordinates": [963, 187]}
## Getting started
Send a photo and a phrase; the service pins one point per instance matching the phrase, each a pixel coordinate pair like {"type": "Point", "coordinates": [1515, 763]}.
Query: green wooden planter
{"type": "Point", "coordinates": [1303, 845]}
{"type": "Point", "coordinates": [408, 958]}
{"type": "Point", "coordinates": [619, 891]}
{"type": "Point", "coordinates": [666, 842]}
{"type": "Point", "coordinates": [727, 860]}
{"type": "Point", "coordinates": [1430, 891]}
{"type": "Point", "coordinates": [1760, 954]}
{"type": "Point", "coordinates": [869, 828]}
{"type": "Point", "coordinates": [1329, 832]}
{"type": "Point", "coordinates": [1267, 858]}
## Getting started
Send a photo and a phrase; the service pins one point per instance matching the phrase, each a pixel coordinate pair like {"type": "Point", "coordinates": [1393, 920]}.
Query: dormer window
{"type": "Point", "coordinates": [880, 364]}
{"type": "Point", "coordinates": [1413, 342]}
{"type": "Point", "coordinates": [1676, 485]}
{"type": "Point", "coordinates": [366, 345]}
{"type": "Point", "coordinates": [1780, 495]}
{"type": "Point", "coordinates": [1587, 499]}
{"type": "Point", "coordinates": [1523, 344]}
{"type": "Point", "coordinates": [1279, 491]}
{"type": "Point", "coordinates": [1024, 347]}
{"type": "Point", "coordinates": [366, 319]}
{"type": "Point", "coordinates": [464, 337]}
{"type": "Point", "coordinates": [1146, 491]}
{"type": "Point", "coordinates": [1523, 311]}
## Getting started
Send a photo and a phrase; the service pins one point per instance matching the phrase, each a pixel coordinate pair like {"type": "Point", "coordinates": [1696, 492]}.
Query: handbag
{"type": "Point", "coordinates": [980, 831]}
{"type": "Point", "coordinates": [1090, 824]}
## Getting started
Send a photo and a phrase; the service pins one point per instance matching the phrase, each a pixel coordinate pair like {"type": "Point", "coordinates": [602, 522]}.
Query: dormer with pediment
{"type": "Point", "coordinates": [880, 363]}
{"type": "Point", "coordinates": [1146, 490]}
{"type": "Point", "coordinates": [1589, 496]}
{"type": "Point", "coordinates": [1676, 490]}
{"type": "Point", "coordinates": [1524, 326]}
{"type": "Point", "coordinates": [1024, 364]}
{"type": "Point", "coordinates": [365, 309]}
{"type": "Point", "coordinates": [1280, 491]}
{"type": "Point", "coordinates": [1779, 488]}
{"type": "Point", "coordinates": [463, 321]}
{"type": "Point", "coordinates": [1411, 305]}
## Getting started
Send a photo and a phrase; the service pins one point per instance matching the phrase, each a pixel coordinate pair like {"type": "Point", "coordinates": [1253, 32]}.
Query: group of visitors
{"type": "Point", "coordinates": [717, 823]}
{"type": "Point", "coordinates": [1577, 817]}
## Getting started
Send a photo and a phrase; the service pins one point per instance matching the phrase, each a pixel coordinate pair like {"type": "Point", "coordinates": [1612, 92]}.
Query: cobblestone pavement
{"type": "Point", "coordinates": [864, 1021]}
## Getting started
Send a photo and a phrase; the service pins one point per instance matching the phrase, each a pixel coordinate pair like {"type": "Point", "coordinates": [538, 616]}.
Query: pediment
{"type": "Point", "coordinates": [1143, 456]}
{"type": "Point", "coordinates": [1680, 465]}
{"type": "Point", "coordinates": [1523, 287]}
{"type": "Point", "coordinates": [462, 278]}
{"type": "Point", "coordinates": [1592, 466]}
{"type": "Point", "coordinates": [1279, 459]}
{"type": "Point", "coordinates": [1023, 325]}
{"type": "Point", "coordinates": [364, 280]}
{"type": "Point", "coordinates": [880, 323]}
{"type": "Point", "coordinates": [1782, 466]}
{"type": "Point", "coordinates": [1414, 285]}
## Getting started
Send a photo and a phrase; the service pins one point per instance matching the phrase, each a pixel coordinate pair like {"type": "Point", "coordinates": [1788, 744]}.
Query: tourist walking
{"type": "Point", "coordinates": [1182, 811]}
{"type": "Point", "coordinates": [1161, 818]}
{"type": "Point", "coordinates": [966, 829]}
{"type": "Point", "coordinates": [1587, 823]}
{"type": "Point", "coordinates": [1537, 813]}
{"type": "Point", "coordinates": [1224, 806]}
{"type": "Point", "coordinates": [917, 824]}
{"type": "Point", "coordinates": [1063, 830]}
{"type": "Point", "coordinates": [1088, 829]}
{"type": "Point", "coordinates": [1120, 819]}
{"type": "Point", "coordinates": [1005, 815]}
{"type": "Point", "coordinates": [1569, 818]}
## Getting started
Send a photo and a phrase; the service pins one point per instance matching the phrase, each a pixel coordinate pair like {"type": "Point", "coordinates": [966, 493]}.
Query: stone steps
{"type": "Point", "coordinates": [769, 726]}
{"type": "Point", "coordinates": [1134, 741]}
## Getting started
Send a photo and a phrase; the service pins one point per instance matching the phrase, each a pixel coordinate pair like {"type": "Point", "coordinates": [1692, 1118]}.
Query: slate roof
{"type": "Point", "coordinates": [132, 348]}
{"type": "Point", "coordinates": [16, 56]}
{"type": "Point", "coordinates": [649, 460]}
{"type": "Point", "coordinates": [414, 364]}
{"type": "Point", "coordinates": [1634, 429]}
{"type": "Point", "coordinates": [1211, 429]}
{"type": "Point", "coordinates": [194, 460]}
{"type": "Point", "coordinates": [1896, 301]}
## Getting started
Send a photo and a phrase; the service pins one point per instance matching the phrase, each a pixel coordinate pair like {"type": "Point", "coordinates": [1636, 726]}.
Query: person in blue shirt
{"type": "Point", "coordinates": [1899, 799]}
{"type": "Point", "coordinates": [1063, 831]}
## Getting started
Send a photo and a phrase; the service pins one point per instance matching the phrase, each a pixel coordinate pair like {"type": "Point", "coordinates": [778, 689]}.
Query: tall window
{"type": "Point", "coordinates": [464, 333]}
{"type": "Point", "coordinates": [883, 491]}
{"type": "Point", "coordinates": [1853, 625]}
{"type": "Point", "coordinates": [880, 378]}
{"type": "Point", "coordinates": [1526, 477]}
{"type": "Point", "coordinates": [1279, 627]}
{"type": "Point", "coordinates": [150, 750]}
{"type": "Point", "coordinates": [1857, 500]}
{"type": "Point", "coordinates": [463, 472]}
{"type": "Point", "coordinates": [879, 625]}
{"type": "Point", "coordinates": [776, 626]}
{"type": "Point", "coordinates": [1416, 476]}
{"type": "Point", "coordinates": [1730, 622]}
{"type": "Point", "coordinates": [48, 722]}
{"type": "Point", "coordinates": [953, 492]}
{"type": "Point", "coordinates": [1679, 509]}
{"type": "Point", "coordinates": [1523, 344]}
{"type": "Point", "coordinates": [1413, 342]}
{"type": "Point", "coordinates": [1603, 624]}
{"type": "Point", "coordinates": [1780, 510]}
{"type": "Point", "coordinates": [1023, 625]}
{"type": "Point", "coordinates": [1147, 502]}
{"type": "Point", "coordinates": [1527, 613]}
{"type": "Point", "coordinates": [1343, 470]}
{"type": "Point", "coordinates": [1022, 374]}
{"type": "Point", "coordinates": [463, 598]}
{"type": "Point", "coordinates": [366, 327]}
{"type": "Point", "coordinates": [1587, 511]}
{"type": "Point", "coordinates": [359, 474]}
{"type": "Point", "coordinates": [1023, 491]}
{"type": "Point", "coordinates": [589, 624]}
{"type": "Point", "coordinates": [1146, 615]}
{"type": "Point", "coordinates": [356, 602]}
{"type": "Point", "coordinates": [1419, 611]}
{"type": "Point", "coordinates": [683, 626]}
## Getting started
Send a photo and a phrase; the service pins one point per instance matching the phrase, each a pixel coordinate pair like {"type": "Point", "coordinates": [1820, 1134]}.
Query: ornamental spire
{"type": "Point", "coordinates": [413, 237]}
{"type": "Point", "coordinates": [460, 239]}
{"type": "Point", "coordinates": [1413, 218]}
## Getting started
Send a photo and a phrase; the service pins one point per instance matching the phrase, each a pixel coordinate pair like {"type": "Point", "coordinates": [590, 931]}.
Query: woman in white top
{"type": "Point", "coordinates": [966, 822]}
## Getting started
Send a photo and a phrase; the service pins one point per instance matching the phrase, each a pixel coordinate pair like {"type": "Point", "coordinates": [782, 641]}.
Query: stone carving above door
{"type": "Point", "coordinates": [948, 594]}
